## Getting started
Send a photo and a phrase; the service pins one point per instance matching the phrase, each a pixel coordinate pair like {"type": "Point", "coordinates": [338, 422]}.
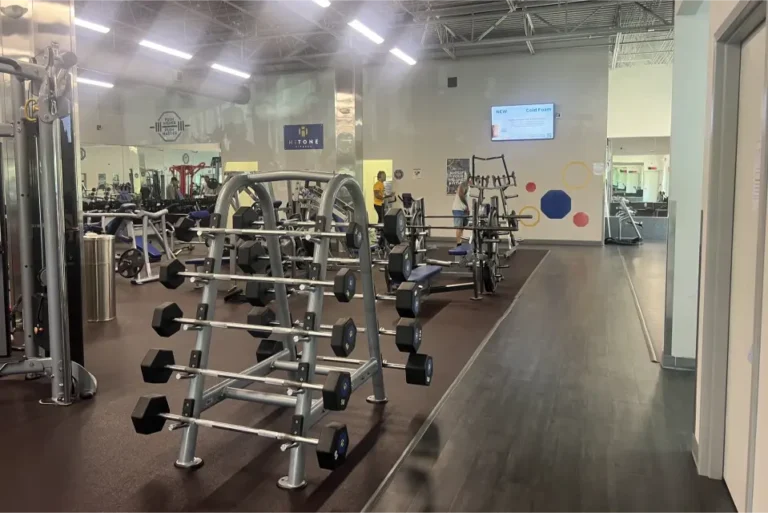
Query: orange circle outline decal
{"type": "Point", "coordinates": [587, 174]}
{"type": "Point", "coordinates": [530, 223]}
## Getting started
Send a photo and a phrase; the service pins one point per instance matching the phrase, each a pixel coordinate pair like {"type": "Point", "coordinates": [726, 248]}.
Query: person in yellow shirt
{"type": "Point", "coordinates": [378, 195]}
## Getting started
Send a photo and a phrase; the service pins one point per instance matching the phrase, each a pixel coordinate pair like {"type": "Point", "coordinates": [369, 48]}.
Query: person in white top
{"type": "Point", "coordinates": [460, 210]}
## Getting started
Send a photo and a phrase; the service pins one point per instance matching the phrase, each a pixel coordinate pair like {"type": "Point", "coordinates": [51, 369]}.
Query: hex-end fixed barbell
{"type": "Point", "coordinates": [151, 412]}
{"type": "Point", "coordinates": [159, 364]}
{"type": "Point", "coordinates": [172, 276]}
{"type": "Point", "coordinates": [168, 319]}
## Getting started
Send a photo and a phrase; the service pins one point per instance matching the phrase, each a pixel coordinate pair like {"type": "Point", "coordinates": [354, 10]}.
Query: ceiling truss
{"type": "Point", "coordinates": [299, 34]}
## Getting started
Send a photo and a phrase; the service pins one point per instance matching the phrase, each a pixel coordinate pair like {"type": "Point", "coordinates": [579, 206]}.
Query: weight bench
{"type": "Point", "coordinates": [424, 273]}
{"type": "Point", "coordinates": [153, 252]}
{"type": "Point", "coordinates": [462, 250]}
{"type": "Point", "coordinates": [410, 294]}
{"type": "Point", "coordinates": [201, 261]}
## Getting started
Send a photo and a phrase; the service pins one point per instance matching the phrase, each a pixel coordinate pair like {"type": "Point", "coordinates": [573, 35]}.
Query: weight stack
{"type": "Point", "coordinates": [99, 280]}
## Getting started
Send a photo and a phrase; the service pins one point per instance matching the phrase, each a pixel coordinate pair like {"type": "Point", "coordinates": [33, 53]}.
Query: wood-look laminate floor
{"type": "Point", "coordinates": [647, 268]}
{"type": "Point", "coordinates": [561, 411]}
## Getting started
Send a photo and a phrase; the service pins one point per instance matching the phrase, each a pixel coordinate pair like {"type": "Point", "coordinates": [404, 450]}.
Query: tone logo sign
{"type": "Point", "coordinates": [169, 126]}
{"type": "Point", "coordinates": [303, 137]}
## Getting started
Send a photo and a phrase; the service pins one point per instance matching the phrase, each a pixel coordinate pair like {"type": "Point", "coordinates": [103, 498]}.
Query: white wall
{"type": "Point", "coordinates": [108, 160]}
{"type": "Point", "coordinates": [639, 101]}
{"type": "Point", "coordinates": [412, 118]}
{"type": "Point", "coordinates": [245, 133]}
{"type": "Point", "coordinates": [689, 119]}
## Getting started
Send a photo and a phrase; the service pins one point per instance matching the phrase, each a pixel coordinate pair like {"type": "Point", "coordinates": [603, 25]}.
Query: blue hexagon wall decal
{"type": "Point", "coordinates": [555, 204]}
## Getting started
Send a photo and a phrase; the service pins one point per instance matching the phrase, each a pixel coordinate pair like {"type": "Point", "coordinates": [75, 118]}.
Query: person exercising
{"type": "Point", "coordinates": [378, 195]}
{"type": "Point", "coordinates": [172, 191]}
{"type": "Point", "coordinates": [460, 210]}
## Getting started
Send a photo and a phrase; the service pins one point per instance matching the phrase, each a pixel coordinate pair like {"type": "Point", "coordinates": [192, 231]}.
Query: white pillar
{"type": "Point", "coordinates": [689, 102]}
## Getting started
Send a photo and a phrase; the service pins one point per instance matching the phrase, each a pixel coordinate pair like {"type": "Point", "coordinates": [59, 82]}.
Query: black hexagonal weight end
{"type": "Point", "coordinates": [333, 446]}
{"type": "Point", "coordinates": [169, 274]}
{"type": "Point", "coordinates": [154, 366]}
{"type": "Point", "coordinates": [163, 319]}
{"type": "Point", "coordinates": [336, 391]}
{"type": "Point", "coordinates": [145, 415]}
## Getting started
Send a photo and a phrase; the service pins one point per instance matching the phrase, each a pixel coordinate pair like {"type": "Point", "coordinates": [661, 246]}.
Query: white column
{"type": "Point", "coordinates": [689, 102]}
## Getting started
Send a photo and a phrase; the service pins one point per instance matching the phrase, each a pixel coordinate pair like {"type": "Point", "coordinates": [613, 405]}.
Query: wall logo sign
{"type": "Point", "coordinates": [303, 137]}
{"type": "Point", "coordinates": [169, 126]}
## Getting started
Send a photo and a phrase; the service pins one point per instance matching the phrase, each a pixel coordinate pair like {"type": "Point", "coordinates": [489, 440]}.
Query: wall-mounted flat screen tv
{"type": "Point", "coordinates": [523, 122]}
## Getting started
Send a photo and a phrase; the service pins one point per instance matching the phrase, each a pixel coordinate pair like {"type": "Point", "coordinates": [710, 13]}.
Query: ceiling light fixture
{"type": "Point", "coordinates": [322, 3]}
{"type": "Point", "coordinates": [99, 83]}
{"type": "Point", "coordinates": [231, 71]}
{"type": "Point", "coordinates": [165, 49]}
{"type": "Point", "coordinates": [91, 25]}
{"type": "Point", "coordinates": [397, 52]}
{"type": "Point", "coordinates": [370, 34]}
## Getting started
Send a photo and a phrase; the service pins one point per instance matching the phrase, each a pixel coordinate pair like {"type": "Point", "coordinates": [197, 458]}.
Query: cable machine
{"type": "Point", "coordinates": [46, 185]}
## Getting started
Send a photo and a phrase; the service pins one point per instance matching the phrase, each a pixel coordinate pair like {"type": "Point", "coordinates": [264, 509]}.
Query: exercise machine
{"type": "Point", "coordinates": [46, 175]}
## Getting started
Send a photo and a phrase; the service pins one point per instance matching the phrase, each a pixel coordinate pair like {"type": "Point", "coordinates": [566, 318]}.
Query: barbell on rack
{"type": "Point", "coordinates": [245, 217]}
{"type": "Point", "coordinates": [394, 226]}
{"type": "Point", "coordinates": [168, 319]}
{"type": "Point", "coordinates": [407, 332]}
{"type": "Point", "coordinates": [151, 412]}
{"type": "Point", "coordinates": [344, 283]}
{"type": "Point", "coordinates": [159, 364]}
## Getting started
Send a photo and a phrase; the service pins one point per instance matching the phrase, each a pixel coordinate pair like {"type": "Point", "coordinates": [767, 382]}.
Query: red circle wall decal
{"type": "Point", "coordinates": [581, 219]}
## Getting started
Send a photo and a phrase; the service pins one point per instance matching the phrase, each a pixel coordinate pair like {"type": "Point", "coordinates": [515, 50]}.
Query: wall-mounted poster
{"type": "Point", "coordinates": [102, 180]}
{"type": "Point", "coordinates": [456, 171]}
{"type": "Point", "coordinates": [417, 173]}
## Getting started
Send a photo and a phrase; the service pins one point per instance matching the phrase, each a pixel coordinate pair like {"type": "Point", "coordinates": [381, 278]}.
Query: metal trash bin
{"type": "Point", "coordinates": [99, 281]}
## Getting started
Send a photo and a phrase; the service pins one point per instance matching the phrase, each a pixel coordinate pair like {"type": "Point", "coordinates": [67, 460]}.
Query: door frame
{"type": "Point", "coordinates": [715, 284]}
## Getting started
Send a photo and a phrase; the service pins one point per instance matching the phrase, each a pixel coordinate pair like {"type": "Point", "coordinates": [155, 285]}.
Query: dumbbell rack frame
{"type": "Point", "coordinates": [307, 411]}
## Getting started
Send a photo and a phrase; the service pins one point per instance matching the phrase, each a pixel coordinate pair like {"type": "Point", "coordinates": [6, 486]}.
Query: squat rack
{"type": "Point", "coordinates": [301, 367]}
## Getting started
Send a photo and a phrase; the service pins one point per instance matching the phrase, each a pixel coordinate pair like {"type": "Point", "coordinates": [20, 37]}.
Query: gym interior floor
{"type": "Point", "coordinates": [561, 410]}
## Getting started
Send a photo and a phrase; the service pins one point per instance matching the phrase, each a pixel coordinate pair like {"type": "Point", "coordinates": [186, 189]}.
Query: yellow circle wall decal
{"type": "Point", "coordinates": [576, 175]}
{"type": "Point", "coordinates": [530, 223]}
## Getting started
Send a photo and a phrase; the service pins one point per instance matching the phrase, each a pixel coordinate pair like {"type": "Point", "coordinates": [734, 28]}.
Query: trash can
{"type": "Point", "coordinates": [99, 281]}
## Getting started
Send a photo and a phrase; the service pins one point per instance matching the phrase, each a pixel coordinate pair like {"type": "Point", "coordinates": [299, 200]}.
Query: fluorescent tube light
{"type": "Point", "coordinates": [397, 52]}
{"type": "Point", "coordinates": [231, 71]}
{"type": "Point", "coordinates": [91, 25]}
{"type": "Point", "coordinates": [322, 3]}
{"type": "Point", "coordinates": [370, 34]}
{"type": "Point", "coordinates": [99, 83]}
{"type": "Point", "coordinates": [165, 49]}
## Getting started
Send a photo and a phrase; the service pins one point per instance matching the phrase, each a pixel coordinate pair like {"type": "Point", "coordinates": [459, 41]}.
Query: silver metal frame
{"type": "Point", "coordinates": [52, 78]}
{"type": "Point", "coordinates": [157, 219]}
{"type": "Point", "coordinates": [715, 282]}
{"type": "Point", "coordinates": [304, 405]}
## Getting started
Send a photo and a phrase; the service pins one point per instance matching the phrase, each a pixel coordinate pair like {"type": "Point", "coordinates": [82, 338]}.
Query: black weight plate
{"type": "Point", "coordinates": [130, 264]}
{"type": "Point", "coordinates": [489, 277]}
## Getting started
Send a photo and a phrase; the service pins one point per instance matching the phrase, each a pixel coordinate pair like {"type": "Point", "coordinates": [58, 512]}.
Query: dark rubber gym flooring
{"type": "Point", "coordinates": [87, 456]}
{"type": "Point", "coordinates": [562, 411]}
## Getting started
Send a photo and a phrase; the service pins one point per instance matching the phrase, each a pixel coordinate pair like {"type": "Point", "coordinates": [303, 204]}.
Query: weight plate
{"type": "Point", "coordinates": [489, 277]}
{"type": "Point", "coordinates": [130, 264]}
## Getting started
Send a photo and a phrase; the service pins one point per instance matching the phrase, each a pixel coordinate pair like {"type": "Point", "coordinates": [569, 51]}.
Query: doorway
{"type": "Point", "coordinates": [743, 261]}
{"type": "Point", "coordinates": [731, 430]}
